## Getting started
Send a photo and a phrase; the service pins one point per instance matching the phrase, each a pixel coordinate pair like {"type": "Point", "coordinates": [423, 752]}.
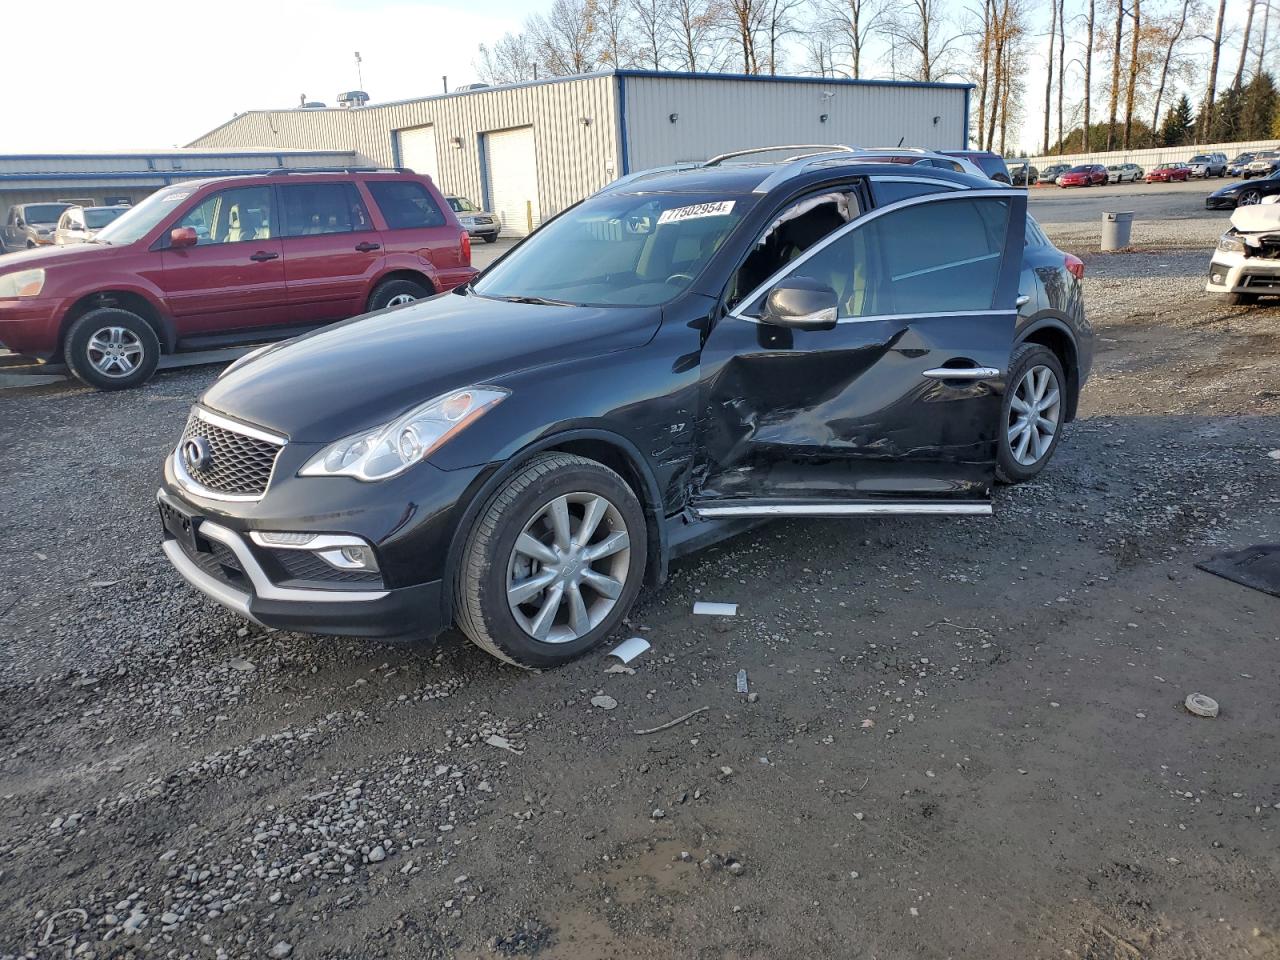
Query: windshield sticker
{"type": "Point", "coordinates": [720, 208]}
{"type": "Point", "coordinates": [175, 197]}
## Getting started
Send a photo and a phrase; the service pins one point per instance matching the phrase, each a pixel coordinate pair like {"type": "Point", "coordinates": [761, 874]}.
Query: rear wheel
{"type": "Point", "coordinates": [1034, 406]}
{"type": "Point", "coordinates": [396, 293]}
{"type": "Point", "coordinates": [112, 349]}
{"type": "Point", "coordinates": [553, 564]}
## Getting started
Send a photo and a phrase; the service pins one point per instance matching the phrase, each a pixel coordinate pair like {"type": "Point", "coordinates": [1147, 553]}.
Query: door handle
{"type": "Point", "coordinates": [365, 246]}
{"type": "Point", "coordinates": [262, 256]}
{"type": "Point", "coordinates": [962, 373]}
{"type": "Point", "coordinates": [1023, 300]}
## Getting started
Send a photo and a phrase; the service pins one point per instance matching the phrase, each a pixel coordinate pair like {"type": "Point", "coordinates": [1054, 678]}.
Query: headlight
{"type": "Point", "coordinates": [1230, 244]}
{"type": "Point", "coordinates": [394, 447]}
{"type": "Point", "coordinates": [239, 362]}
{"type": "Point", "coordinates": [24, 283]}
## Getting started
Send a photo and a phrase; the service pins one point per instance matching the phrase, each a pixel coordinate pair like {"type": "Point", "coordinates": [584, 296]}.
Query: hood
{"type": "Point", "coordinates": [364, 372]}
{"type": "Point", "coordinates": [51, 256]}
{"type": "Point", "coordinates": [1257, 218]}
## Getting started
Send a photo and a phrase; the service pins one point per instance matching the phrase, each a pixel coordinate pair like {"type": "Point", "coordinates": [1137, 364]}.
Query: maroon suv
{"type": "Point", "coordinates": [235, 259]}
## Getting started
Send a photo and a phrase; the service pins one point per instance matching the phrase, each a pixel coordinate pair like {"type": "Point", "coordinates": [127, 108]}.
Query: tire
{"type": "Point", "coordinates": [522, 511]}
{"type": "Point", "coordinates": [492, 239]}
{"type": "Point", "coordinates": [112, 349]}
{"type": "Point", "coordinates": [1248, 198]}
{"type": "Point", "coordinates": [1242, 299]}
{"type": "Point", "coordinates": [1029, 358]}
{"type": "Point", "coordinates": [396, 293]}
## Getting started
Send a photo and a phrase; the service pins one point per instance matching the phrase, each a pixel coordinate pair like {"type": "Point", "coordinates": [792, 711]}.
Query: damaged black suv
{"type": "Point", "coordinates": [674, 358]}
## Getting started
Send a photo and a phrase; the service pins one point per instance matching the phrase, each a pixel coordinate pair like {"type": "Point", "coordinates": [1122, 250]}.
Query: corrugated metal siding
{"type": "Point", "coordinates": [574, 159]}
{"type": "Point", "coordinates": [716, 116]}
{"type": "Point", "coordinates": [1157, 155]}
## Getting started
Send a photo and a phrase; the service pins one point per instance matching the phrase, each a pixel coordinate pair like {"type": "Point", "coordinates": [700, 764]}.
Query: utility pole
{"type": "Point", "coordinates": [359, 72]}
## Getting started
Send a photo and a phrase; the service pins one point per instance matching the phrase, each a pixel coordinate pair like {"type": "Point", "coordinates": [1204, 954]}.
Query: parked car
{"type": "Point", "coordinates": [1120, 172]}
{"type": "Point", "coordinates": [477, 222]}
{"type": "Point", "coordinates": [1246, 262]}
{"type": "Point", "coordinates": [232, 259]}
{"type": "Point", "coordinates": [1208, 165]}
{"type": "Point", "coordinates": [1168, 173]}
{"type": "Point", "coordinates": [1051, 173]}
{"type": "Point", "coordinates": [656, 366]}
{"type": "Point", "coordinates": [1023, 174]}
{"type": "Point", "coordinates": [1263, 164]}
{"type": "Point", "coordinates": [1236, 167]}
{"type": "Point", "coordinates": [992, 164]}
{"type": "Point", "coordinates": [30, 225]}
{"type": "Point", "coordinates": [81, 224]}
{"type": "Point", "coordinates": [1244, 193]}
{"type": "Point", "coordinates": [1084, 175]}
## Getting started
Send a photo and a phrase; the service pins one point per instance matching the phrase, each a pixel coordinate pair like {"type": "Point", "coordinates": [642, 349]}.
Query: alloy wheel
{"type": "Point", "coordinates": [1034, 413]}
{"type": "Point", "coordinates": [1249, 198]}
{"type": "Point", "coordinates": [568, 567]}
{"type": "Point", "coordinates": [115, 352]}
{"type": "Point", "coordinates": [400, 299]}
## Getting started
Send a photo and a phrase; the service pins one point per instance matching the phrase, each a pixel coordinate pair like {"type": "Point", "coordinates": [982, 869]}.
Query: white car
{"type": "Point", "coordinates": [1246, 262]}
{"type": "Point", "coordinates": [81, 224]}
{"type": "Point", "coordinates": [1120, 172]}
{"type": "Point", "coordinates": [478, 223]}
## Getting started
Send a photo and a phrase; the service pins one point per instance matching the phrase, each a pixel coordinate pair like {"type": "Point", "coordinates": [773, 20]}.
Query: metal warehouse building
{"type": "Point", "coordinates": [529, 150]}
{"type": "Point", "coordinates": [113, 178]}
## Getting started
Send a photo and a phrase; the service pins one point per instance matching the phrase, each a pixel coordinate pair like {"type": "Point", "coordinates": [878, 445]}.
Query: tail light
{"type": "Point", "coordinates": [466, 249]}
{"type": "Point", "coordinates": [1074, 265]}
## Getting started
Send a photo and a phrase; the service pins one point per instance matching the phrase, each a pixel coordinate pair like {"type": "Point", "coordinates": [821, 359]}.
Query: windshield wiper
{"type": "Point", "coordinates": [543, 301]}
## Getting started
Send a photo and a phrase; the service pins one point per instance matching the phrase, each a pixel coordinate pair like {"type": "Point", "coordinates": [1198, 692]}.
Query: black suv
{"type": "Point", "coordinates": [677, 357]}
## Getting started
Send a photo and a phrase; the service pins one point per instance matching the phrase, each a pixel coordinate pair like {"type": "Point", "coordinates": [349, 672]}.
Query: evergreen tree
{"type": "Point", "coordinates": [1258, 108]}
{"type": "Point", "coordinates": [1178, 124]}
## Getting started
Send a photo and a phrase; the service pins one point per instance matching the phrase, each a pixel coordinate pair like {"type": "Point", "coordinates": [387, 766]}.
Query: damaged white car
{"type": "Point", "coordinates": [1246, 262]}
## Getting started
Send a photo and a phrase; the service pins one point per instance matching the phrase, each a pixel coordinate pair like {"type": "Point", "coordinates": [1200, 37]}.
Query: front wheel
{"type": "Point", "coordinates": [1032, 413]}
{"type": "Point", "coordinates": [112, 349]}
{"type": "Point", "coordinates": [1242, 299]}
{"type": "Point", "coordinates": [553, 563]}
{"type": "Point", "coordinates": [396, 293]}
{"type": "Point", "coordinates": [1249, 197]}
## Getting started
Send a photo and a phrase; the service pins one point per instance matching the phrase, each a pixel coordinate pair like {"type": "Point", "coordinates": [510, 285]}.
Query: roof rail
{"type": "Point", "coordinates": [669, 168]}
{"type": "Point", "coordinates": [824, 147]}
{"type": "Point", "coordinates": [795, 167]}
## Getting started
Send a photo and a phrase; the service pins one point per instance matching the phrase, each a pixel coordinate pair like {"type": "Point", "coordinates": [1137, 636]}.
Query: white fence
{"type": "Point", "coordinates": [1157, 155]}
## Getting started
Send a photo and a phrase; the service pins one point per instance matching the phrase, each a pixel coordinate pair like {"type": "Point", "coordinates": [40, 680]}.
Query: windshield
{"type": "Point", "coordinates": [1199, 160]}
{"type": "Point", "coordinates": [1081, 169]}
{"type": "Point", "coordinates": [96, 219]}
{"type": "Point", "coordinates": [618, 250]}
{"type": "Point", "coordinates": [140, 220]}
{"type": "Point", "coordinates": [44, 212]}
{"type": "Point", "coordinates": [461, 204]}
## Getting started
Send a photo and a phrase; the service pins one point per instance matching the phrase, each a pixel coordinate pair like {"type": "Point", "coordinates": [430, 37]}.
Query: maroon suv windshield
{"type": "Point", "coordinates": [140, 220]}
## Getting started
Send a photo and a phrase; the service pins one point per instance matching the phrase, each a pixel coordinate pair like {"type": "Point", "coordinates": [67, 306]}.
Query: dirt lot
{"type": "Point", "coordinates": [968, 738]}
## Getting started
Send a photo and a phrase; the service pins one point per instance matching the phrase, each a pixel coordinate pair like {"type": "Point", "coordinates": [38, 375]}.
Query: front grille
{"type": "Point", "coordinates": [305, 565]}
{"type": "Point", "coordinates": [1261, 282]}
{"type": "Point", "coordinates": [239, 464]}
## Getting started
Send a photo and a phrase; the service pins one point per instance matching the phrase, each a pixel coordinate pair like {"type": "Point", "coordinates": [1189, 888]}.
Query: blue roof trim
{"type": "Point", "coordinates": [178, 175]}
{"type": "Point", "coordinates": [624, 150]}
{"type": "Point", "coordinates": [201, 153]}
{"type": "Point", "coordinates": [766, 78]}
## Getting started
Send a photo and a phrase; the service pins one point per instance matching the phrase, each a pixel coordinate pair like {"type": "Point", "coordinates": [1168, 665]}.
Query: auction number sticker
{"type": "Point", "coordinates": [720, 208]}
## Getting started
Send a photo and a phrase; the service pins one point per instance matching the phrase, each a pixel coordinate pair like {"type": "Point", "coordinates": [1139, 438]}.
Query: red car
{"type": "Point", "coordinates": [1084, 175]}
{"type": "Point", "coordinates": [234, 259]}
{"type": "Point", "coordinates": [1169, 172]}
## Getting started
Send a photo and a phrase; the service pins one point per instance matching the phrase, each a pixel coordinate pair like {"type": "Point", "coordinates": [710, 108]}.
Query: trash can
{"type": "Point", "coordinates": [1116, 228]}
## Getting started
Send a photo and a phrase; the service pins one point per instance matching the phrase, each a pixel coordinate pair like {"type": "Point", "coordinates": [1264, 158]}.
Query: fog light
{"type": "Point", "coordinates": [280, 538]}
{"type": "Point", "coordinates": [351, 558]}
{"type": "Point", "coordinates": [1217, 278]}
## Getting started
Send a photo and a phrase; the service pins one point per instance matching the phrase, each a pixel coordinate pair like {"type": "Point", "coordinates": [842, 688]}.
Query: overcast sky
{"type": "Point", "coordinates": [158, 74]}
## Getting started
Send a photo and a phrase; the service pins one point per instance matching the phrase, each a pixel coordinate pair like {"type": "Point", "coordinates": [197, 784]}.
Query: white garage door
{"type": "Point", "coordinates": [513, 179]}
{"type": "Point", "coordinates": [418, 152]}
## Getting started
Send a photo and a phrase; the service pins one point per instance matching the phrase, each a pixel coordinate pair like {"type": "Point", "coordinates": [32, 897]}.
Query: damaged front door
{"type": "Point", "coordinates": [866, 377]}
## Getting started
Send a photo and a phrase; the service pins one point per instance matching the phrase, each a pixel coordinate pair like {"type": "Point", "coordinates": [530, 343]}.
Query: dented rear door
{"type": "Point", "coordinates": [896, 409]}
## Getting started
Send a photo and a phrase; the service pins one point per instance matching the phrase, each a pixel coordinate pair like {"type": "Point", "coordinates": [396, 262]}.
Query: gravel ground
{"type": "Point", "coordinates": [964, 738]}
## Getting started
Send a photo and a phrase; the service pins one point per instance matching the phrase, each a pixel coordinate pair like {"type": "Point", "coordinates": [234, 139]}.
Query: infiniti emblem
{"type": "Point", "coordinates": [196, 453]}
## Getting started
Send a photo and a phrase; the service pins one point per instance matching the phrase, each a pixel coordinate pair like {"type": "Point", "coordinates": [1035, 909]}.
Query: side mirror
{"type": "Point", "coordinates": [182, 237]}
{"type": "Point", "coordinates": [801, 302]}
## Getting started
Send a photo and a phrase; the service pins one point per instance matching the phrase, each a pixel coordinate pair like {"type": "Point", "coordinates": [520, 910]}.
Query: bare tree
{"type": "Point", "coordinates": [651, 21]}
{"type": "Point", "coordinates": [1262, 45]}
{"type": "Point", "coordinates": [856, 22]}
{"type": "Point", "coordinates": [1134, 67]}
{"type": "Point", "coordinates": [987, 42]}
{"type": "Point", "coordinates": [1171, 32]}
{"type": "Point", "coordinates": [1048, 84]}
{"type": "Point", "coordinates": [697, 42]}
{"type": "Point", "coordinates": [780, 21]}
{"type": "Point", "coordinates": [744, 18]}
{"type": "Point", "coordinates": [1115, 75]}
{"type": "Point", "coordinates": [510, 60]}
{"type": "Point", "coordinates": [1062, 63]}
{"type": "Point", "coordinates": [565, 40]}
{"type": "Point", "coordinates": [920, 26]}
{"type": "Point", "coordinates": [1238, 82]}
{"type": "Point", "coordinates": [1088, 77]}
{"type": "Point", "coordinates": [612, 26]}
{"type": "Point", "coordinates": [1206, 112]}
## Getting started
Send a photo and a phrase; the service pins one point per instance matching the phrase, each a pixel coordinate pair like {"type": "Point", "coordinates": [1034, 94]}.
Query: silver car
{"type": "Point", "coordinates": [1120, 172]}
{"type": "Point", "coordinates": [478, 223]}
{"type": "Point", "coordinates": [81, 224]}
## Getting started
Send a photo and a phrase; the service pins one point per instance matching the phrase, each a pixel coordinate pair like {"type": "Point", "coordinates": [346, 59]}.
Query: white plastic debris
{"type": "Point", "coordinates": [1274, 454]}
{"type": "Point", "coordinates": [742, 681]}
{"type": "Point", "coordinates": [502, 743]}
{"type": "Point", "coordinates": [1201, 705]}
{"type": "Point", "coordinates": [604, 702]}
{"type": "Point", "coordinates": [628, 650]}
{"type": "Point", "coordinates": [715, 609]}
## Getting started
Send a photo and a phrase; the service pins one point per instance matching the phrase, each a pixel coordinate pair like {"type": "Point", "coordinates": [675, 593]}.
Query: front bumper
{"type": "Point", "coordinates": [228, 569]}
{"type": "Point", "coordinates": [30, 326]}
{"type": "Point", "coordinates": [1236, 273]}
{"type": "Point", "coordinates": [1219, 203]}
